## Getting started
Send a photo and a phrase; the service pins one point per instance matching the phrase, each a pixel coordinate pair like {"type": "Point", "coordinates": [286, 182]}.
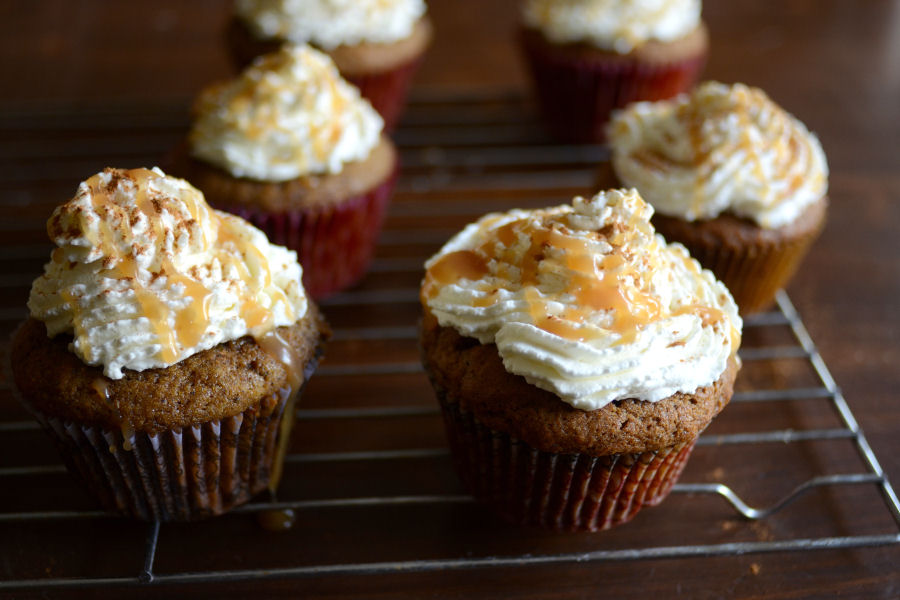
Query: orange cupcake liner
{"type": "Point", "coordinates": [335, 243]}
{"type": "Point", "coordinates": [562, 492]}
{"type": "Point", "coordinates": [577, 95]}
{"type": "Point", "coordinates": [752, 274]}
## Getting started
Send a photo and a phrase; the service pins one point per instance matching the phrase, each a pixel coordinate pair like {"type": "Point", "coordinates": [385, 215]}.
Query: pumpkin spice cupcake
{"type": "Point", "coordinates": [376, 45]}
{"type": "Point", "coordinates": [166, 348]}
{"type": "Point", "coordinates": [295, 150]}
{"type": "Point", "coordinates": [588, 57]}
{"type": "Point", "coordinates": [732, 176]}
{"type": "Point", "coordinates": [576, 358]}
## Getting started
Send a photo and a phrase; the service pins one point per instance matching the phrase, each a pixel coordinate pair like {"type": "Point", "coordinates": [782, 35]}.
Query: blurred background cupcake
{"type": "Point", "coordinates": [376, 44]}
{"type": "Point", "coordinates": [587, 57]}
{"type": "Point", "coordinates": [732, 176]}
{"type": "Point", "coordinates": [166, 348]}
{"type": "Point", "coordinates": [576, 358]}
{"type": "Point", "coordinates": [293, 148]}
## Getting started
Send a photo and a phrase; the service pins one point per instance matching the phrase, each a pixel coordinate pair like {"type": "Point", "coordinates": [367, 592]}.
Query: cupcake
{"type": "Point", "coordinates": [376, 44]}
{"type": "Point", "coordinates": [294, 149]}
{"type": "Point", "coordinates": [166, 347]}
{"type": "Point", "coordinates": [576, 357]}
{"type": "Point", "coordinates": [588, 57]}
{"type": "Point", "coordinates": [732, 176]}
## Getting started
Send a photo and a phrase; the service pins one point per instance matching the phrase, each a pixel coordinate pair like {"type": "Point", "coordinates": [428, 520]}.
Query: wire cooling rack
{"type": "Point", "coordinates": [368, 439]}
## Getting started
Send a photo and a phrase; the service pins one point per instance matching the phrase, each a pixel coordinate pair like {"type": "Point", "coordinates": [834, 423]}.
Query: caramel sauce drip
{"type": "Point", "coordinates": [175, 328]}
{"type": "Point", "coordinates": [101, 387]}
{"type": "Point", "coordinates": [598, 282]}
{"type": "Point", "coordinates": [274, 344]}
{"type": "Point", "coordinates": [276, 520]}
{"type": "Point", "coordinates": [127, 434]}
{"type": "Point", "coordinates": [77, 320]}
{"type": "Point", "coordinates": [284, 435]}
{"type": "Point", "coordinates": [450, 268]}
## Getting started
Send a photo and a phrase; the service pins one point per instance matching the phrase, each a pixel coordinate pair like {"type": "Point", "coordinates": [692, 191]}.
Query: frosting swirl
{"type": "Point", "coordinates": [146, 274]}
{"type": "Point", "coordinates": [287, 115]}
{"type": "Point", "coordinates": [586, 301]}
{"type": "Point", "coordinates": [721, 148]}
{"type": "Point", "coordinates": [617, 25]}
{"type": "Point", "coordinates": [331, 23]}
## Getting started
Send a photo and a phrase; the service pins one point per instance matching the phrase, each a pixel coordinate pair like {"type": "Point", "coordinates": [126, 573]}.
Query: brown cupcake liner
{"type": "Point", "coordinates": [562, 492]}
{"type": "Point", "coordinates": [576, 95]}
{"type": "Point", "coordinates": [334, 243]}
{"type": "Point", "coordinates": [753, 273]}
{"type": "Point", "coordinates": [178, 475]}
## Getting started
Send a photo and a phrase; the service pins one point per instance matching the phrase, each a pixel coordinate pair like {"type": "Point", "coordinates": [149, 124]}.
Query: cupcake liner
{"type": "Point", "coordinates": [563, 492]}
{"type": "Point", "coordinates": [178, 475]}
{"type": "Point", "coordinates": [576, 95]}
{"type": "Point", "coordinates": [334, 243]}
{"type": "Point", "coordinates": [387, 90]}
{"type": "Point", "coordinates": [752, 273]}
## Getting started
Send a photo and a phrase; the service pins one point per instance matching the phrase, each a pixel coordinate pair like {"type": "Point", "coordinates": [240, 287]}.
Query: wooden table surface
{"type": "Point", "coordinates": [67, 67]}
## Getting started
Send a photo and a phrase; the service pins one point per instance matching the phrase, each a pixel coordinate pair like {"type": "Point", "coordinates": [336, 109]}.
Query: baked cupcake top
{"type": "Point", "coordinates": [146, 274]}
{"type": "Point", "coordinates": [331, 23]}
{"type": "Point", "coordinates": [586, 301]}
{"type": "Point", "coordinates": [617, 25]}
{"type": "Point", "coordinates": [289, 114]}
{"type": "Point", "coordinates": [723, 148]}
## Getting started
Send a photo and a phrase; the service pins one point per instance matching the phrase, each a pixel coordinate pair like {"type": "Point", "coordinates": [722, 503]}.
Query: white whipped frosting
{"type": "Point", "coordinates": [331, 23]}
{"type": "Point", "coordinates": [586, 301]}
{"type": "Point", "coordinates": [721, 148]}
{"type": "Point", "coordinates": [618, 25]}
{"type": "Point", "coordinates": [147, 274]}
{"type": "Point", "coordinates": [289, 114]}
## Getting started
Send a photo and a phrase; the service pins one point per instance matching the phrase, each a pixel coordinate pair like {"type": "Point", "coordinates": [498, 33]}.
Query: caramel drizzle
{"type": "Point", "coordinates": [276, 346]}
{"type": "Point", "coordinates": [284, 434]}
{"type": "Point", "coordinates": [175, 328]}
{"type": "Point", "coordinates": [598, 282]}
{"type": "Point", "coordinates": [254, 94]}
{"type": "Point", "coordinates": [751, 107]}
{"type": "Point", "coordinates": [277, 519]}
{"type": "Point", "coordinates": [101, 386]}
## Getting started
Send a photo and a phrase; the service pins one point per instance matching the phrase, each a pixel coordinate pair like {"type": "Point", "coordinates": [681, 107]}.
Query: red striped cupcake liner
{"type": "Point", "coordinates": [179, 474]}
{"type": "Point", "coordinates": [562, 492]}
{"type": "Point", "coordinates": [334, 243]}
{"type": "Point", "coordinates": [576, 95]}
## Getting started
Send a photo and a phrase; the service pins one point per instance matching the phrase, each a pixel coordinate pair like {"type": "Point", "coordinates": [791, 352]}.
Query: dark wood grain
{"type": "Point", "coordinates": [93, 83]}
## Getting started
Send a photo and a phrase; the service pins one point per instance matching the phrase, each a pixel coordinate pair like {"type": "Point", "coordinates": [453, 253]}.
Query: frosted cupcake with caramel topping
{"type": "Point", "coordinates": [733, 177]}
{"type": "Point", "coordinates": [293, 148]}
{"type": "Point", "coordinates": [376, 44]}
{"type": "Point", "coordinates": [166, 347]}
{"type": "Point", "coordinates": [588, 57]}
{"type": "Point", "coordinates": [576, 357]}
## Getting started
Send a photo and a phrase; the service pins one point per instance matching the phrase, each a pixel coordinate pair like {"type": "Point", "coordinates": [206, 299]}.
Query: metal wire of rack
{"type": "Point", "coordinates": [487, 146]}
